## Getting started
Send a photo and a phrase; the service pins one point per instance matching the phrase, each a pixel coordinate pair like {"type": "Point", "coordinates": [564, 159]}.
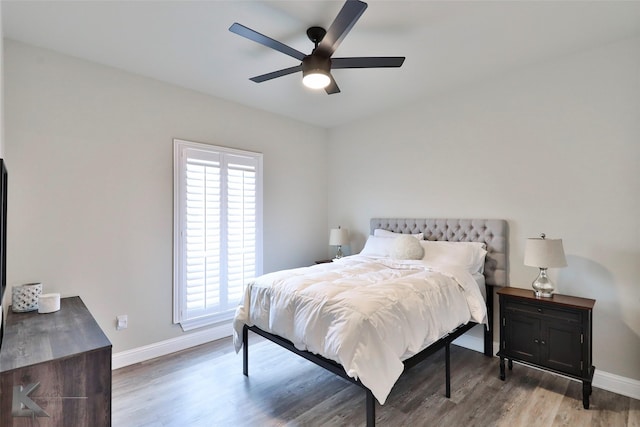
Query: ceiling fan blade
{"type": "Point", "coordinates": [346, 19]}
{"type": "Point", "coordinates": [274, 74]}
{"type": "Point", "coordinates": [255, 36]}
{"type": "Point", "coordinates": [367, 62]}
{"type": "Point", "coordinates": [333, 86]}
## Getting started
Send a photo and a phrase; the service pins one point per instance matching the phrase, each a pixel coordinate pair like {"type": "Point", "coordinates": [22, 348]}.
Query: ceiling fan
{"type": "Point", "coordinates": [316, 67]}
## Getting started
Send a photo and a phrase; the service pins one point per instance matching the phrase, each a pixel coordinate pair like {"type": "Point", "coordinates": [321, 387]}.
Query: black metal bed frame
{"type": "Point", "coordinates": [337, 369]}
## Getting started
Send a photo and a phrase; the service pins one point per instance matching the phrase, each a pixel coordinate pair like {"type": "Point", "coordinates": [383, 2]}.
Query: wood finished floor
{"type": "Point", "coordinates": [204, 386]}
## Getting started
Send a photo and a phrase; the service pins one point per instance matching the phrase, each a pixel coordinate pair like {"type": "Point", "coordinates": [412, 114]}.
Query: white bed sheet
{"type": "Point", "coordinates": [368, 314]}
{"type": "Point", "coordinates": [480, 280]}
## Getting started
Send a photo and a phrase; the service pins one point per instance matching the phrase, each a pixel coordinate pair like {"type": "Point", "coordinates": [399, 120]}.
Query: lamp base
{"type": "Point", "coordinates": [339, 253]}
{"type": "Point", "coordinates": [542, 286]}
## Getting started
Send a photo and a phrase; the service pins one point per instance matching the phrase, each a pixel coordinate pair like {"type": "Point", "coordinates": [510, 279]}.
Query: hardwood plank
{"type": "Point", "coordinates": [634, 413]}
{"type": "Point", "coordinates": [610, 410]}
{"type": "Point", "coordinates": [204, 386]}
{"type": "Point", "coordinates": [571, 412]}
{"type": "Point", "coordinates": [543, 402]}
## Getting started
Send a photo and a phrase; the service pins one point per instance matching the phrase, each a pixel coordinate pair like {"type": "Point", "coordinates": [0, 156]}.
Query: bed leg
{"type": "Point", "coordinates": [371, 409]}
{"type": "Point", "coordinates": [488, 331]}
{"type": "Point", "coordinates": [245, 350]}
{"type": "Point", "coordinates": [447, 363]}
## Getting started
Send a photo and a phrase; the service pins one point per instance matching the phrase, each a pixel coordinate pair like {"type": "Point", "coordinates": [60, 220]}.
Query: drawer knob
{"type": "Point", "coordinates": [542, 342]}
{"type": "Point", "coordinates": [539, 310]}
{"type": "Point", "coordinates": [535, 340]}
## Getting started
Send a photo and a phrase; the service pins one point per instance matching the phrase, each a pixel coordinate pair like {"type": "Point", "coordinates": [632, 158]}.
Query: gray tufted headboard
{"type": "Point", "coordinates": [492, 232]}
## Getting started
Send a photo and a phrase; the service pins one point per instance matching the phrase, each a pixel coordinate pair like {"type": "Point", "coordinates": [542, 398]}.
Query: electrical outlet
{"type": "Point", "coordinates": [122, 322]}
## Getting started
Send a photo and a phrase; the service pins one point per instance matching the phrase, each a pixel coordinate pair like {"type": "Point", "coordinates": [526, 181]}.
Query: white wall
{"type": "Point", "coordinates": [90, 204]}
{"type": "Point", "coordinates": [553, 148]}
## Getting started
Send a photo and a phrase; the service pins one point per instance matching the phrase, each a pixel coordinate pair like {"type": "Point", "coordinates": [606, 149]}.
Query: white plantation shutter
{"type": "Point", "coordinates": [241, 225]}
{"type": "Point", "coordinates": [217, 230]}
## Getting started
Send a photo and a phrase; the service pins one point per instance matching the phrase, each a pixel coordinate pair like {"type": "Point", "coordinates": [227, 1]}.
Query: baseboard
{"type": "Point", "coordinates": [617, 384]}
{"type": "Point", "coordinates": [604, 380]}
{"type": "Point", "coordinates": [162, 348]}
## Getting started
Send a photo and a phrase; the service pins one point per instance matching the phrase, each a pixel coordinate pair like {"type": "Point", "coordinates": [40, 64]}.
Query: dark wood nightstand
{"type": "Point", "coordinates": [551, 333]}
{"type": "Point", "coordinates": [323, 261]}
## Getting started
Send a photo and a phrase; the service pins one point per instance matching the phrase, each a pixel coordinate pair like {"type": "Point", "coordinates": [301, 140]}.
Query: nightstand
{"type": "Point", "coordinates": [323, 261]}
{"type": "Point", "coordinates": [553, 333]}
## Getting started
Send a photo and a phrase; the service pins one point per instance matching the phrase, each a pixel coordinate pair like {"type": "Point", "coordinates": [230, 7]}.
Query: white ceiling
{"type": "Point", "coordinates": [447, 44]}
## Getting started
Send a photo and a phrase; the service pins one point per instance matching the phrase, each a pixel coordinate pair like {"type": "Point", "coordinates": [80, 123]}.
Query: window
{"type": "Point", "coordinates": [217, 230]}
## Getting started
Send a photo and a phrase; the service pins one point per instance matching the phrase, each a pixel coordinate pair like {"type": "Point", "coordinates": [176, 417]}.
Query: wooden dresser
{"type": "Point", "coordinates": [55, 369]}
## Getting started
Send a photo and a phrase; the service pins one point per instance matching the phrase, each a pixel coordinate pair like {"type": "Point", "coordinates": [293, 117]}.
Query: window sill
{"type": "Point", "coordinates": [201, 322]}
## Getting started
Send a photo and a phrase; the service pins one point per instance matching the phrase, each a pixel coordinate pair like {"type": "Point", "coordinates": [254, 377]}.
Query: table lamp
{"type": "Point", "coordinates": [339, 237]}
{"type": "Point", "coordinates": [544, 253]}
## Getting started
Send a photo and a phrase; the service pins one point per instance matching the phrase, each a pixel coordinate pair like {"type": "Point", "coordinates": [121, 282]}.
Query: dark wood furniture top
{"type": "Point", "coordinates": [31, 338]}
{"type": "Point", "coordinates": [559, 299]}
{"type": "Point", "coordinates": [553, 333]}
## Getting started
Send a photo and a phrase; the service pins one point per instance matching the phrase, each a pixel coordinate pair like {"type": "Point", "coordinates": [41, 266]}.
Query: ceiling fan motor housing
{"type": "Point", "coordinates": [314, 63]}
{"type": "Point", "coordinates": [316, 71]}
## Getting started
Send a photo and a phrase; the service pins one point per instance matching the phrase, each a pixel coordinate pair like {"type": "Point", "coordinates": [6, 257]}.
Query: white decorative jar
{"type": "Point", "coordinates": [48, 303]}
{"type": "Point", "coordinates": [25, 297]}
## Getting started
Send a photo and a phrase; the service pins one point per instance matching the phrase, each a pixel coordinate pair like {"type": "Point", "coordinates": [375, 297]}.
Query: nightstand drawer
{"type": "Point", "coordinates": [543, 310]}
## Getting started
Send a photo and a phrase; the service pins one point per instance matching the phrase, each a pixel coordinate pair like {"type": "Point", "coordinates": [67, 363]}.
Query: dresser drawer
{"type": "Point", "coordinates": [543, 310]}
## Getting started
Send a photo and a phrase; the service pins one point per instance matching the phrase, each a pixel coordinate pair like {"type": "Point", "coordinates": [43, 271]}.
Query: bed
{"type": "Point", "coordinates": [371, 316]}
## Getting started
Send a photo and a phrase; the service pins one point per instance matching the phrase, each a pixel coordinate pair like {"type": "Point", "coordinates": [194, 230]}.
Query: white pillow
{"type": "Point", "coordinates": [406, 246]}
{"type": "Point", "coordinates": [379, 232]}
{"type": "Point", "coordinates": [377, 246]}
{"type": "Point", "coordinates": [469, 255]}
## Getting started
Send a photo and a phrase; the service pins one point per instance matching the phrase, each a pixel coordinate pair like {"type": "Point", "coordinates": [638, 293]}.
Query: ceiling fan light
{"type": "Point", "coordinates": [316, 79]}
{"type": "Point", "coordinates": [315, 71]}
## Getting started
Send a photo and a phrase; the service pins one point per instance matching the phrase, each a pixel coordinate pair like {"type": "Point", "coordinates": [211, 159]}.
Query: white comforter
{"type": "Point", "coordinates": [368, 314]}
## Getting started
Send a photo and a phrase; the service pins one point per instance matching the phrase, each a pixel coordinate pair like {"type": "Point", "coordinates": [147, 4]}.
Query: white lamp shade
{"type": "Point", "coordinates": [544, 253]}
{"type": "Point", "coordinates": [339, 237]}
